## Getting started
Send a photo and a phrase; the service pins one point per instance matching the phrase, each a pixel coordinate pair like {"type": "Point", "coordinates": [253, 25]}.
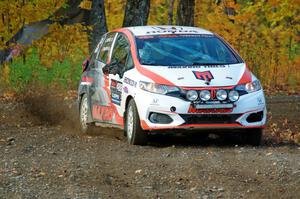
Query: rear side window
{"type": "Point", "coordinates": [105, 49]}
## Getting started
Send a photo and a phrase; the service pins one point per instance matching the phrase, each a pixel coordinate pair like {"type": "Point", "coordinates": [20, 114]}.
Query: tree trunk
{"type": "Point", "coordinates": [185, 13]}
{"type": "Point", "coordinates": [136, 13]}
{"type": "Point", "coordinates": [98, 22]}
{"type": "Point", "coordinates": [170, 12]}
{"type": "Point", "coordinates": [64, 15]}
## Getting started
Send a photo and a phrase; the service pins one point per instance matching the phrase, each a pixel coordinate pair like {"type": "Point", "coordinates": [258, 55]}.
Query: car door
{"type": "Point", "coordinates": [122, 58]}
{"type": "Point", "coordinates": [100, 97]}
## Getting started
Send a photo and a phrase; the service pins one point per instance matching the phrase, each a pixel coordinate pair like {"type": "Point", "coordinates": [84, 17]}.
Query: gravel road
{"type": "Point", "coordinates": [44, 156]}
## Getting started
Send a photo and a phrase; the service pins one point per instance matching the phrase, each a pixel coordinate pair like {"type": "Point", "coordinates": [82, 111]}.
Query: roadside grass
{"type": "Point", "coordinates": [23, 74]}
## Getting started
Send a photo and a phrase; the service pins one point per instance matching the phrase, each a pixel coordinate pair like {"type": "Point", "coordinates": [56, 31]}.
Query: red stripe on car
{"type": "Point", "coordinates": [246, 78]}
{"type": "Point", "coordinates": [87, 79]}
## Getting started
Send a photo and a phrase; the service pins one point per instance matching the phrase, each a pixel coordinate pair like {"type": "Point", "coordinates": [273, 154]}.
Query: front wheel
{"type": "Point", "coordinates": [135, 134]}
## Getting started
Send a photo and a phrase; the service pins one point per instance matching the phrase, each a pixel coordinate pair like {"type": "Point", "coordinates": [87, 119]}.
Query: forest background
{"type": "Point", "coordinates": [265, 32]}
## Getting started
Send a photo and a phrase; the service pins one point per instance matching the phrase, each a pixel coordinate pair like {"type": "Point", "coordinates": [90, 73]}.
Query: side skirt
{"type": "Point", "coordinates": [108, 125]}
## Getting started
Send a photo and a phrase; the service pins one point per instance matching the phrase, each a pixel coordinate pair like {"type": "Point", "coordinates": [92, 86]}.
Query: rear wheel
{"type": "Point", "coordinates": [135, 134]}
{"type": "Point", "coordinates": [85, 127]}
{"type": "Point", "coordinates": [252, 136]}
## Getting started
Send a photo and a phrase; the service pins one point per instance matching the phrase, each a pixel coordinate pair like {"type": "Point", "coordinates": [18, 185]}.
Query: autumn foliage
{"type": "Point", "coordinates": [265, 33]}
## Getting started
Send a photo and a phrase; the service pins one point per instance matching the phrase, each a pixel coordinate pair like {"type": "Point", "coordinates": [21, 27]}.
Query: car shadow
{"type": "Point", "coordinates": [162, 140]}
{"type": "Point", "coordinates": [212, 140]}
{"type": "Point", "coordinates": [183, 140]}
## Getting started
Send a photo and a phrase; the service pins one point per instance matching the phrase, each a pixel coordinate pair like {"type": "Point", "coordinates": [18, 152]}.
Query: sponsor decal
{"type": "Point", "coordinates": [170, 30]}
{"type": "Point", "coordinates": [173, 36]}
{"type": "Point", "coordinates": [116, 91]}
{"type": "Point", "coordinates": [125, 89]}
{"type": "Point", "coordinates": [205, 75]}
{"type": "Point", "coordinates": [213, 106]}
{"type": "Point", "coordinates": [130, 82]}
{"type": "Point", "coordinates": [215, 110]}
{"type": "Point", "coordinates": [198, 66]}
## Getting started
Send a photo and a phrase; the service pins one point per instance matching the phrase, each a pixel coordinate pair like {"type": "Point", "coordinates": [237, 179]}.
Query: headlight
{"type": "Point", "coordinates": [192, 95]}
{"type": "Point", "coordinates": [249, 87]}
{"type": "Point", "coordinates": [204, 95]}
{"type": "Point", "coordinates": [158, 88]}
{"type": "Point", "coordinates": [253, 86]}
{"type": "Point", "coordinates": [221, 95]}
{"type": "Point", "coordinates": [233, 96]}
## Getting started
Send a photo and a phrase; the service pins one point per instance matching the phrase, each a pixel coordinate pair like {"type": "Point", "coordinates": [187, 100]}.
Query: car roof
{"type": "Point", "coordinates": [164, 30]}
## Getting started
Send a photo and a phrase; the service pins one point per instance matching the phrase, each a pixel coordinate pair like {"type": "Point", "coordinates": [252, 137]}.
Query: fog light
{"type": "Point", "coordinates": [192, 95]}
{"type": "Point", "coordinates": [233, 96]}
{"type": "Point", "coordinates": [221, 95]}
{"type": "Point", "coordinates": [204, 95]}
{"type": "Point", "coordinates": [159, 118]}
{"type": "Point", "coordinates": [255, 117]}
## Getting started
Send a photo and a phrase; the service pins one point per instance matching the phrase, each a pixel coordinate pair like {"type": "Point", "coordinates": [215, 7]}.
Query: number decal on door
{"type": "Point", "coordinates": [116, 92]}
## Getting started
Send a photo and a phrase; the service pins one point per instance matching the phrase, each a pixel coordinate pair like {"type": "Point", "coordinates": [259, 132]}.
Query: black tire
{"type": "Point", "coordinates": [252, 136]}
{"type": "Point", "coordinates": [137, 136]}
{"type": "Point", "coordinates": [84, 108]}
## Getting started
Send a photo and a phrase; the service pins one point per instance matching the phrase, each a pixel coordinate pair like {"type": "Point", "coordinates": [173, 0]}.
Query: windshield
{"type": "Point", "coordinates": [183, 50]}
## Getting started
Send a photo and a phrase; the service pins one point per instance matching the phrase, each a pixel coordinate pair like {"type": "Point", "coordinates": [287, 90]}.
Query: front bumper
{"type": "Point", "coordinates": [248, 112]}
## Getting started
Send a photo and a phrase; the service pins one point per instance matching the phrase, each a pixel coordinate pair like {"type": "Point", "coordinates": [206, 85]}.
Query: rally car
{"type": "Point", "coordinates": [151, 78]}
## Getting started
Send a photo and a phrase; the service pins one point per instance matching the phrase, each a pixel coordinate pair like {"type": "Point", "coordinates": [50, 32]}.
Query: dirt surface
{"type": "Point", "coordinates": [44, 156]}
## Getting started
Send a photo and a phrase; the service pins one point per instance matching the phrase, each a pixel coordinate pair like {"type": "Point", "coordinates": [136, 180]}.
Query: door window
{"type": "Point", "coordinates": [121, 53]}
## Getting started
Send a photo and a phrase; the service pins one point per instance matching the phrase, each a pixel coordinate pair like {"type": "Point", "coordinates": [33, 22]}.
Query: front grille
{"type": "Point", "coordinates": [210, 118]}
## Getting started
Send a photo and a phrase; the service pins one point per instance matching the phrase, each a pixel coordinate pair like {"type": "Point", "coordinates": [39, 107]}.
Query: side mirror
{"type": "Point", "coordinates": [85, 64]}
{"type": "Point", "coordinates": [113, 68]}
{"type": "Point", "coordinates": [106, 69]}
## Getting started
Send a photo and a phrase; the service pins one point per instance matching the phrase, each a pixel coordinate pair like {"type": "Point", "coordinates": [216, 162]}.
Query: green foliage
{"type": "Point", "coordinates": [32, 73]}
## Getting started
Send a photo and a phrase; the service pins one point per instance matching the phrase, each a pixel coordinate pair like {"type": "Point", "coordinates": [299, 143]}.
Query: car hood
{"type": "Point", "coordinates": [201, 76]}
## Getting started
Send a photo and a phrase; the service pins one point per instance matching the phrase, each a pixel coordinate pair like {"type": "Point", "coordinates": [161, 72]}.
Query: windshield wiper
{"type": "Point", "coordinates": [149, 63]}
